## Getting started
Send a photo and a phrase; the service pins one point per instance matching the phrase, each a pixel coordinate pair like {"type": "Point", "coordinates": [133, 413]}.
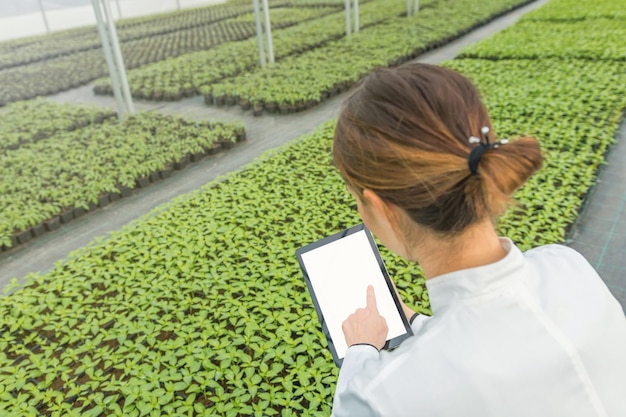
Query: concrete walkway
{"type": "Point", "coordinates": [599, 233]}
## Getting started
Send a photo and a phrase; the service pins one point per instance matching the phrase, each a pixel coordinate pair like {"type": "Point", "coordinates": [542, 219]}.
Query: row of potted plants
{"type": "Point", "coordinates": [292, 15]}
{"type": "Point", "coordinates": [27, 50]}
{"type": "Point", "coordinates": [576, 40]}
{"type": "Point", "coordinates": [200, 308]}
{"type": "Point", "coordinates": [572, 10]}
{"type": "Point", "coordinates": [187, 74]}
{"type": "Point", "coordinates": [319, 2]}
{"type": "Point", "coordinates": [51, 182]}
{"type": "Point", "coordinates": [74, 69]}
{"type": "Point", "coordinates": [300, 82]}
{"type": "Point", "coordinates": [201, 39]}
{"type": "Point", "coordinates": [31, 121]}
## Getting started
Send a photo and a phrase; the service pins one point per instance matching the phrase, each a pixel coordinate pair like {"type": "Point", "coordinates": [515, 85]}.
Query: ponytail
{"type": "Point", "coordinates": [404, 133]}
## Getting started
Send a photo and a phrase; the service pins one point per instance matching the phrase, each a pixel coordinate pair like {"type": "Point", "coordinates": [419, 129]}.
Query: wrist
{"type": "Point", "coordinates": [365, 344]}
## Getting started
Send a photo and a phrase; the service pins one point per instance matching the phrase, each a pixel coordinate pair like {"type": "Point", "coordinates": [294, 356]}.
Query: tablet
{"type": "Point", "coordinates": [337, 270]}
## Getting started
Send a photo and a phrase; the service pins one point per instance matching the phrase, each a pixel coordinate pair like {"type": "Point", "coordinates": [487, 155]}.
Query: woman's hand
{"type": "Point", "coordinates": [366, 325]}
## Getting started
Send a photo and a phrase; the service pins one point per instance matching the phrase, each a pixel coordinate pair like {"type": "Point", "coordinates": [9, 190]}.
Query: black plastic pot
{"type": "Point", "coordinates": [245, 104]}
{"type": "Point", "coordinates": [271, 107]}
{"type": "Point", "coordinates": [227, 144]}
{"type": "Point", "coordinates": [217, 146]}
{"type": "Point", "coordinates": [103, 200]}
{"type": "Point", "coordinates": [67, 216]}
{"type": "Point", "coordinates": [52, 224]}
{"type": "Point", "coordinates": [78, 212]}
{"type": "Point", "coordinates": [39, 230]}
{"type": "Point", "coordinates": [167, 172]}
{"type": "Point", "coordinates": [24, 236]}
{"type": "Point", "coordinates": [143, 182]}
{"type": "Point", "coordinates": [155, 176]}
{"type": "Point", "coordinates": [197, 156]}
{"type": "Point", "coordinates": [182, 163]}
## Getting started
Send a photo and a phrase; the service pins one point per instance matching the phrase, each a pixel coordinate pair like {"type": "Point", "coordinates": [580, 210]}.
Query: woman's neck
{"type": "Point", "coordinates": [477, 246]}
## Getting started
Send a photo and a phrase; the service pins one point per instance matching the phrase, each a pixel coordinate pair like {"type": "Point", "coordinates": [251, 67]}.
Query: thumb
{"type": "Point", "coordinates": [371, 298]}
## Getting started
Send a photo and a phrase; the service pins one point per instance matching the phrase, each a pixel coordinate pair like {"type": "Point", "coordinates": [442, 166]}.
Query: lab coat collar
{"type": "Point", "coordinates": [463, 285]}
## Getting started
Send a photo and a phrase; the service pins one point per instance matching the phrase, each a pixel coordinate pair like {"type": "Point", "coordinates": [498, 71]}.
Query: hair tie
{"type": "Point", "coordinates": [478, 151]}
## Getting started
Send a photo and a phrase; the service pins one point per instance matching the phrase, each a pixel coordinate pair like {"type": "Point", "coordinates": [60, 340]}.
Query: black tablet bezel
{"type": "Point", "coordinates": [392, 343]}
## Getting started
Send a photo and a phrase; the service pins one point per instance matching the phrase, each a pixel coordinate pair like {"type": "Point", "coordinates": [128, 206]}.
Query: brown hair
{"type": "Point", "coordinates": [404, 134]}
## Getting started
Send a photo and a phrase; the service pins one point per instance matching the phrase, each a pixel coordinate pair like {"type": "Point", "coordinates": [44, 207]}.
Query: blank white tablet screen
{"type": "Point", "coordinates": [340, 273]}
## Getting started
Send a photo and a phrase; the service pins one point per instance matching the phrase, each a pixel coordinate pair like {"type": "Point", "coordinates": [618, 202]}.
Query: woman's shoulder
{"type": "Point", "coordinates": [554, 249]}
{"type": "Point", "coordinates": [561, 277]}
{"type": "Point", "coordinates": [562, 269]}
{"type": "Point", "coordinates": [559, 256]}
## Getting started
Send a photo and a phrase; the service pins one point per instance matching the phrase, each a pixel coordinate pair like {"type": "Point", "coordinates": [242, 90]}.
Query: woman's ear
{"type": "Point", "coordinates": [377, 207]}
{"type": "Point", "coordinates": [384, 221]}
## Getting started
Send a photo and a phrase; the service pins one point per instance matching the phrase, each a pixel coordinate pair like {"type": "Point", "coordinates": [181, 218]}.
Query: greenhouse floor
{"type": "Point", "coordinates": [597, 234]}
{"type": "Point", "coordinates": [600, 231]}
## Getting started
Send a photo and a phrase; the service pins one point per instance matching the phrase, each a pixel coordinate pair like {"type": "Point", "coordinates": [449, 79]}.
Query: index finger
{"type": "Point", "coordinates": [371, 298]}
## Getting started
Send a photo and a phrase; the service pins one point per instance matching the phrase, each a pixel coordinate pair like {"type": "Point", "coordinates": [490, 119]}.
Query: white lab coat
{"type": "Point", "coordinates": [533, 335]}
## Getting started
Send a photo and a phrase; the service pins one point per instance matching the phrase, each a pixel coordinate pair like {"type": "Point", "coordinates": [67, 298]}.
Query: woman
{"type": "Point", "coordinates": [512, 334]}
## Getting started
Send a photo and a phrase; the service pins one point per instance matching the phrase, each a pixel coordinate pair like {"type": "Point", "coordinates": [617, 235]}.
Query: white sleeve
{"type": "Point", "coordinates": [419, 322]}
{"type": "Point", "coordinates": [348, 401]}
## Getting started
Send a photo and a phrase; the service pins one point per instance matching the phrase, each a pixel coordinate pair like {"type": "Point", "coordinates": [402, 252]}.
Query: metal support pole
{"type": "Point", "coordinates": [356, 16]}
{"type": "Point", "coordinates": [348, 17]}
{"type": "Point", "coordinates": [259, 32]}
{"type": "Point", "coordinates": [178, 4]}
{"type": "Point", "coordinates": [268, 32]}
{"type": "Point", "coordinates": [43, 14]}
{"type": "Point", "coordinates": [117, 54]}
{"type": "Point", "coordinates": [106, 47]}
{"type": "Point", "coordinates": [119, 9]}
{"type": "Point", "coordinates": [408, 8]}
{"type": "Point", "coordinates": [113, 56]}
